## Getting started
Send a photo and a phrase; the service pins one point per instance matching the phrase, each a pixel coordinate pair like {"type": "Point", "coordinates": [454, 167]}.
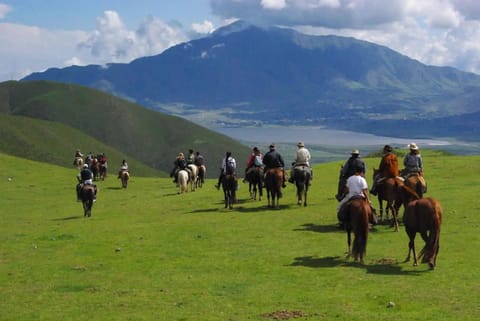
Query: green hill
{"type": "Point", "coordinates": [100, 122]}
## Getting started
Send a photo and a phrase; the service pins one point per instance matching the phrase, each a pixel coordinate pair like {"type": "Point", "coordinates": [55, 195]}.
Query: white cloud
{"type": "Point", "coordinates": [4, 10]}
{"type": "Point", "coordinates": [273, 4]}
{"type": "Point", "coordinates": [203, 28]}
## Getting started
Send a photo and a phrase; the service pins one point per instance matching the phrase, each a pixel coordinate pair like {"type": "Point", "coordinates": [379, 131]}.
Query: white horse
{"type": "Point", "coordinates": [183, 181]}
{"type": "Point", "coordinates": [194, 169]}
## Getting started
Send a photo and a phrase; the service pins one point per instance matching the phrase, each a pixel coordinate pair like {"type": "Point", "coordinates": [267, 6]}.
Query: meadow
{"type": "Point", "coordinates": [148, 253]}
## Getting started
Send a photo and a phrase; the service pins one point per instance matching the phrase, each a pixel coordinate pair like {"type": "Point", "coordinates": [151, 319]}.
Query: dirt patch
{"type": "Point", "coordinates": [284, 315]}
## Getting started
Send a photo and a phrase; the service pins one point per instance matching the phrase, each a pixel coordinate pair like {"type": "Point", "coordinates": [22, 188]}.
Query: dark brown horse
{"type": "Point", "coordinates": [302, 176]}
{"type": "Point", "coordinates": [423, 216]}
{"type": "Point", "coordinates": [87, 195]}
{"type": "Point", "coordinates": [102, 171]}
{"type": "Point", "coordinates": [273, 185]}
{"type": "Point", "coordinates": [202, 174]}
{"type": "Point", "coordinates": [124, 177]}
{"type": "Point", "coordinates": [255, 182]}
{"type": "Point", "coordinates": [229, 185]}
{"type": "Point", "coordinates": [387, 191]}
{"type": "Point", "coordinates": [358, 216]}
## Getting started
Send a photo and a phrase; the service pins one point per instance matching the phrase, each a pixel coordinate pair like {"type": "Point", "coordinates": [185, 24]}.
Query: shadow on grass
{"type": "Point", "coordinates": [68, 218]}
{"type": "Point", "coordinates": [334, 261]}
{"type": "Point", "coordinates": [319, 228]}
{"type": "Point", "coordinates": [115, 188]}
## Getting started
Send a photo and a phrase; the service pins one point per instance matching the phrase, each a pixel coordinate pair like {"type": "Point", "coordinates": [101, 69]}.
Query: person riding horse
{"type": "Point", "coordinates": [255, 161]}
{"type": "Point", "coordinates": [302, 158]}
{"type": "Point", "coordinates": [229, 166]}
{"type": "Point", "coordinates": [388, 168]}
{"type": "Point", "coordinates": [86, 178]}
{"type": "Point", "coordinates": [199, 160]}
{"type": "Point", "coordinates": [123, 168]}
{"type": "Point", "coordinates": [348, 169]}
{"type": "Point", "coordinates": [180, 163]}
{"type": "Point", "coordinates": [273, 159]}
{"type": "Point", "coordinates": [356, 186]}
{"type": "Point", "coordinates": [414, 165]}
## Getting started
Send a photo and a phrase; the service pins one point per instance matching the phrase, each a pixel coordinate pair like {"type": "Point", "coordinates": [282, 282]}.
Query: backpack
{"type": "Point", "coordinates": [229, 166]}
{"type": "Point", "coordinates": [258, 161]}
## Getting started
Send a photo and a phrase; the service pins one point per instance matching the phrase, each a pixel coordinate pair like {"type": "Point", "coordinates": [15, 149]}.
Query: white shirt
{"type": "Point", "coordinates": [302, 156]}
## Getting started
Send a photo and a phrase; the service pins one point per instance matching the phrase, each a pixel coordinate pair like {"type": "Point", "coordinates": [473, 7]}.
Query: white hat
{"type": "Point", "coordinates": [301, 144]}
{"type": "Point", "coordinates": [413, 146]}
{"type": "Point", "coordinates": [85, 165]}
{"type": "Point", "coordinates": [355, 151]}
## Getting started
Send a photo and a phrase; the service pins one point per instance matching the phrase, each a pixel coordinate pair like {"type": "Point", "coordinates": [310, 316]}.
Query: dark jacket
{"type": "Point", "coordinates": [349, 167]}
{"type": "Point", "coordinates": [86, 174]}
{"type": "Point", "coordinates": [273, 159]}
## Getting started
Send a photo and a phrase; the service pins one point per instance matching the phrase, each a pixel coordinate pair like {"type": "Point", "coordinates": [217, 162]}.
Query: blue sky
{"type": "Point", "coordinates": [36, 35]}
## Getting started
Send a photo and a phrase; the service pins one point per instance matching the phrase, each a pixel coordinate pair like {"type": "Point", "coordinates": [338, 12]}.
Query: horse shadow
{"type": "Point", "coordinates": [379, 267]}
{"type": "Point", "coordinates": [68, 218]}
{"type": "Point", "coordinates": [318, 228]}
{"type": "Point", "coordinates": [114, 188]}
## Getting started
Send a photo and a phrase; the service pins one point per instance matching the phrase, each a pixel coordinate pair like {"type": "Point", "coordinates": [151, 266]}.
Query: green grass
{"type": "Point", "coordinates": [148, 253]}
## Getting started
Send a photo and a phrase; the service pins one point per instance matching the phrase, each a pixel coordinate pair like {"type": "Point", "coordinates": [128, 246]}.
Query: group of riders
{"type": "Point", "coordinates": [183, 163]}
{"type": "Point", "coordinates": [89, 167]}
{"type": "Point", "coordinates": [352, 182]}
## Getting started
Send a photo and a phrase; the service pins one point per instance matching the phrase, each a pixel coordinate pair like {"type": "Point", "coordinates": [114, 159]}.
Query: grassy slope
{"type": "Point", "coordinates": [150, 254]}
{"type": "Point", "coordinates": [55, 143]}
{"type": "Point", "coordinates": [153, 138]}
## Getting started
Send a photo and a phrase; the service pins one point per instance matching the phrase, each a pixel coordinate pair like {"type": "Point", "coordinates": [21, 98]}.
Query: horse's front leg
{"type": "Point", "coordinates": [349, 243]}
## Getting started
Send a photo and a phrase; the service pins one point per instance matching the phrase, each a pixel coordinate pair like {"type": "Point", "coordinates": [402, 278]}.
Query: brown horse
{"type": "Point", "coordinates": [423, 216]}
{"type": "Point", "coordinates": [302, 176]}
{"type": "Point", "coordinates": [358, 215]}
{"type": "Point", "coordinates": [87, 195]}
{"type": "Point", "coordinates": [124, 177]}
{"type": "Point", "coordinates": [202, 173]}
{"type": "Point", "coordinates": [102, 171]}
{"type": "Point", "coordinates": [255, 182]}
{"type": "Point", "coordinates": [273, 185]}
{"type": "Point", "coordinates": [229, 185]}
{"type": "Point", "coordinates": [416, 183]}
{"type": "Point", "coordinates": [387, 191]}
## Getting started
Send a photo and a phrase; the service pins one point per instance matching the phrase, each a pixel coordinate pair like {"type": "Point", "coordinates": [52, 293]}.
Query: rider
{"type": "Point", "coordinates": [412, 161]}
{"type": "Point", "coordinates": [348, 170]}
{"type": "Point", "coordinates": [85, 178]}
{"type": "Point", "coordinates": [255, 160]}
{"type": "Point", "coordinates": [123, 168]}
{"type": "Point", "coordinates": [199, 160]}
{"type": "Point", "coordinates": [356, 185]}
{"type": "Point", "coordinates": [229, 166]}
{"type": "Point", "coordinates": [388, 168]}
{"type": "Point", "coordinates": [190, 157]}
{"type": "Point", "coordinates": [180, 163]}
{"type": "Point", "coordinates": [78, 154]}
{"type": "Point", "coordinates": [273, 159]}
{"type": "Point", "coordinates": [302, 158]}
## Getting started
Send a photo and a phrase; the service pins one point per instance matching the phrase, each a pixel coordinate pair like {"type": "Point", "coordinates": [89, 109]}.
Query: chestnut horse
{"type": "Point", "coordinates": [423, 216]}
{"type": "Point", "coordinates": [273, 185]}
{"type": "Point", "coordinates": [387, 191]}
{"type": "Point", "coordinates": [358, 215]}
{"type": "Point", "coordinates": [416, 183]}
{"type": "Point", "coordinates": [302, 176]}
{"type": "Point", "coordinates": [229, 185]}
{"type": "Point", "coordinates": [255, 182]}
{"type": "Point", "coordinates": [87, 194]}
{"type": "Point", "coordinates": [202, 173]}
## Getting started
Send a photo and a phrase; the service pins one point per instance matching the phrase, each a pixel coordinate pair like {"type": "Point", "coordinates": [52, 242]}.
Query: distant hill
{"type": "Point", "coordinates": [244, 74]}
{"type": "Point", "coordinates": [47, 121]}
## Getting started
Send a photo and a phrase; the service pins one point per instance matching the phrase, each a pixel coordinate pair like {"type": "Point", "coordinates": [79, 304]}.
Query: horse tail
{"type": "Point", "coordinates": [432, 245]}
{"type": "Point", "coordinates": [359, 248]}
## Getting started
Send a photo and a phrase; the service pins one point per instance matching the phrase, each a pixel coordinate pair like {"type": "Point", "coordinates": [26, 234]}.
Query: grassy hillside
{"type": "Point", "coordinates": [56, 143]}
{"type": "Point", "coordinates": [148, 253]}
{"type": "Point", "coordinates": [150, 137]}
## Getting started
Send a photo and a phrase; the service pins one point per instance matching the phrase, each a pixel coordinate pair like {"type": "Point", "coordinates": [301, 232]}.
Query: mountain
{"type": "Point", "coordinates": [47, 121]}
{"type": "Point", "coordinates": [245, 74]}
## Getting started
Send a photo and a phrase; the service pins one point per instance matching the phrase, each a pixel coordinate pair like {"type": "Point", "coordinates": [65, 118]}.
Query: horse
{"type": "Point", "coordinates": [358, 215]}
{"type": "Point", "coordinates": [87, 195]}
{"type": "Point", "coordinates": [102, 170]}
{"type": "Point", "coordinates": [193, 180]}
{"type": "Point", "coordinates": [124, 176]}
{"type": "Point", "coordinates": [95, 168]}
{"type": "Point", "coordinates": [229, 186]}
{"type": "Point", "coordinates": [417, 183]}
{"type": "Point", "coordinates": [202, 173]}
{"type": "Point", "coordinates": [273, 185]}
{"type": "Point", "coordinates": [255, 182]}
{"type": "Point", "coordinates": [182, 181]}
{"type": "Point", "coordinates": [387, 191]}
{"type": "Point", "coordinates": [78, 162]}
{"type": "Point", "coordinates": [302, 175]}
{"type": "Point", "coordinates": [423, 216]}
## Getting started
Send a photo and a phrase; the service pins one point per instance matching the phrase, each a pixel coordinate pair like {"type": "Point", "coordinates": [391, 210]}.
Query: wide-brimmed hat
{"type": "Point", "coordinates": [300, 144]}
{"type": "Point", "coordinates": [355, 152]}
{"type": "Point", "coordinates": [413, 146]}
